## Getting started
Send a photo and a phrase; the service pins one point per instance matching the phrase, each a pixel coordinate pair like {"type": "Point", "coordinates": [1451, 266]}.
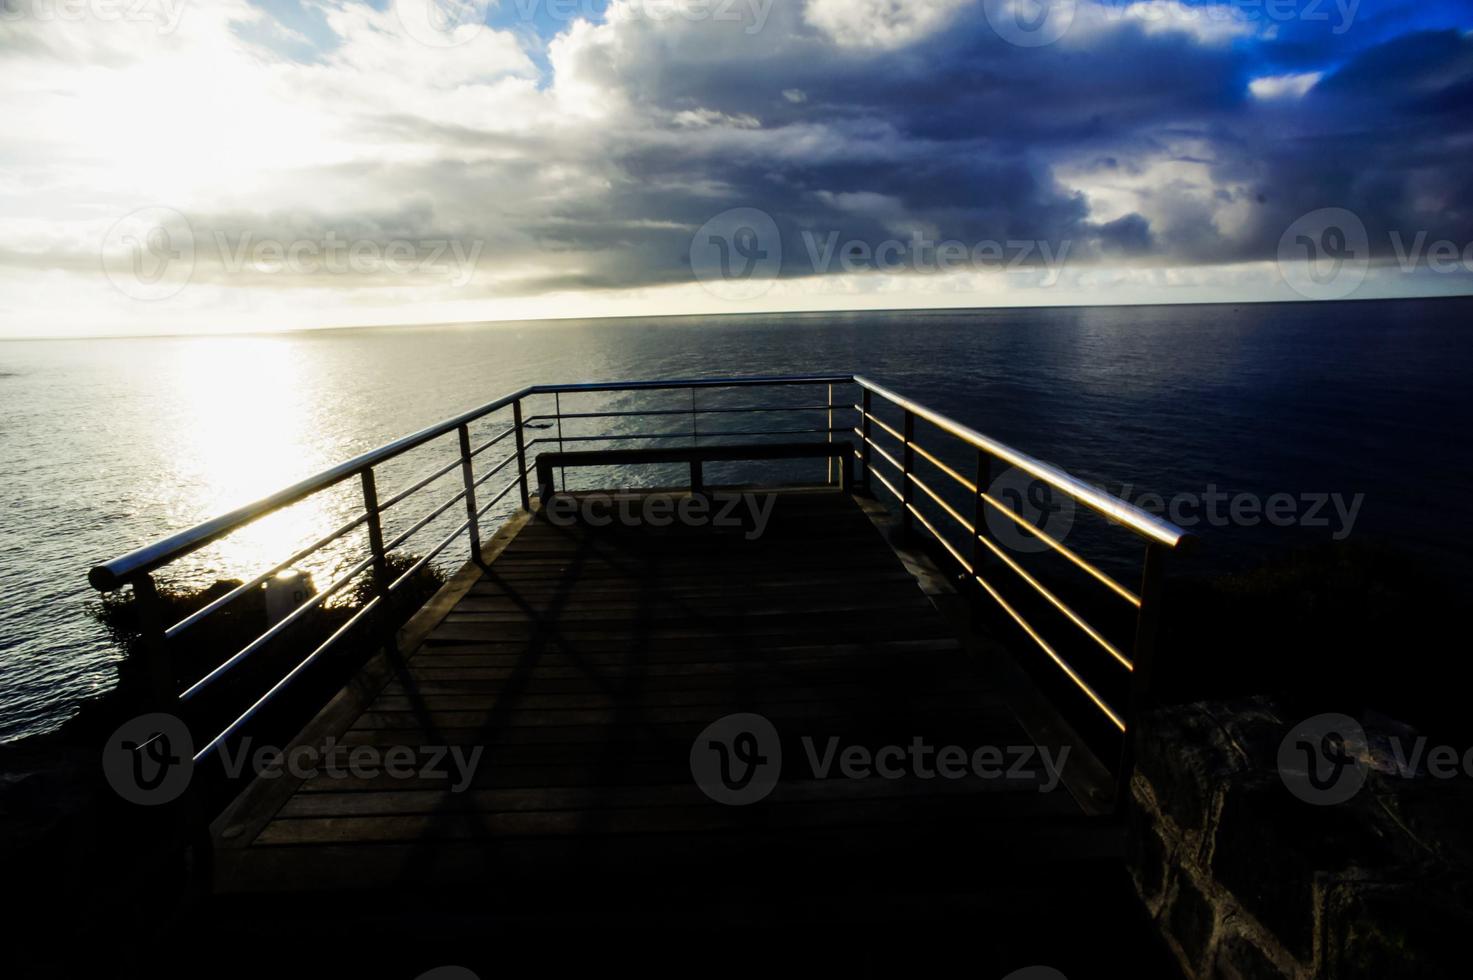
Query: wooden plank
{"type": "Point", "coordinates": [473, 825]}
{"type": "Point", "coordinates": [686, 794]}
{"type": "Point", "coordinates": [582, 664]}
{"type": "Point", "coordinates": [395, 699]}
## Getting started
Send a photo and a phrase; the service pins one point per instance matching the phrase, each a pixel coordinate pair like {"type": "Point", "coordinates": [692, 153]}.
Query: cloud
{"type": "Point", "coordinates": [1284, 86]}
{"type": "Point", "coordinates": [582, 166]}
{"type": "Point", "coordinates": [880, 24]}
{"type": "Point", "coordinates": [1204, 23]}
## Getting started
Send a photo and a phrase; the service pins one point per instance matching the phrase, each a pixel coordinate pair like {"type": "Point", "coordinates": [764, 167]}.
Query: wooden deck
{"type": "Point", "coordinates": [583, 662]}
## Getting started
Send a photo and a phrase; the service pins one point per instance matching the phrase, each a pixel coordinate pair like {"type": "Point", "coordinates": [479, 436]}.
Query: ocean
{"type": "Point", "coordinates": [108, 444]}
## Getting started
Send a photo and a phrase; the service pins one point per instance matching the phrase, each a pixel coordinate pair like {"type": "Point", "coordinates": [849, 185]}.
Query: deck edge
{"type": "Point", "coordinates": [242, 821]}
{"type": "Point", "coordinates": [1092, 788]}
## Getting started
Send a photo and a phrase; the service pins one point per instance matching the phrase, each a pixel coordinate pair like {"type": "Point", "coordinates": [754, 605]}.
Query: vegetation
{"type": "Point", "coordinates": [215, 639]}
{"type": "Point", "coordinates": [1338, 627]}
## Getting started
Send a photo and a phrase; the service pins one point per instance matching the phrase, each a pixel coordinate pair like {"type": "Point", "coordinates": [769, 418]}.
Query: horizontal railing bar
{"type": "Point", "coordinates": [887, 484]}
{"type": "Point", "coordinates": [494, 470]}
{"type": "Point", "coordinates": [1064, 550]}
{"type": "Point", "coordinates": [876, 447]}
{"type": "Point", "coordinates": [276, 630]}
{"type": "Point", "coordinates": [280, 685]}
{"type": "Point", "coordinates": [427, 519]}
{"type": "Point", "coordinates": [425, 559]}
{"type": "Point", "coordinates": [680, 435]}
{"type": "Point", "coordinates": [666, 385]}
{"type": "Point", "coordinates": [921, 451]}
{"type": "Point", "coordinates": [961, 560]}
{"type": "Point", "coordinates": [408, 491]}
{"type": "Point", "coordinates": [241, 590]}
{"type": "Point", "coordinates": [1027, 628]}
{"type": "Point", "coordinates": [430, 555]}
{"type": "Point", "coordinates": [505, 490]}
{"type": "Point", "coordinates": [950, 510]}
{"type": "Point", "coordinates": [509, 432]}
{"type": "Point", "coordinates": [1059, 604]}
{"type": "Point", "coordinates": [1053, 655]}
{"type": "Point", "coordinates": [682, 411]}
{"type": "Point", "coordinates": [1017, 518]}
{"type": "Point", "coordinates": [1022, 573]}
{"type": "Point", "coordinates": [1138, 520]}
{"type": "Point", "coordinates": [882, 424]}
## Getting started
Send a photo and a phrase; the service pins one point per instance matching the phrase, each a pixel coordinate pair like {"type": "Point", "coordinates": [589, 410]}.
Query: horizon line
{"type": "Point", "coordinates": [432, 324]}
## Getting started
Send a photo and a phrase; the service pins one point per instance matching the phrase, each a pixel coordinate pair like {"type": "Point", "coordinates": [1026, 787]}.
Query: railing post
{"type": "Point", "coordinates": [979, 526]}
{"type": "Point", "coordinates": [380, 557]}
{"type": "Point", "coordinates": [908, 462]}
{"type": "Point", "coordinates": [695, 425]}
{"type": "Point", "coordinates": [185, 817]}
{"type": "Point", "coordinates": [516, 416]}
{"type": "Point", "coordinates": [158, 671]}
{"type": "Point", "coordinates": [829, 479]}
{"type": "Point", "coordinates": [865, 452]}
{"type": "Point", "coordinates": [1143, 657]}
{"type": "Point", "coordinates": [557, 407]}
{"type": "Point", "coordinates": [468, 472]}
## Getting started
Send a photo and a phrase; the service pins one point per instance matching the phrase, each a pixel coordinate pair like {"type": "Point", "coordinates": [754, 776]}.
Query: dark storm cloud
{"type": "Point", "coordinates": [1128, 140]}
{"type": "Point", "coordinates": [961, 136]}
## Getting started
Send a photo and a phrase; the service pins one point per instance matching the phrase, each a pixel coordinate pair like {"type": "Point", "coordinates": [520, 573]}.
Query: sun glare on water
{"type": "Point", "coordinates": [246, 428]}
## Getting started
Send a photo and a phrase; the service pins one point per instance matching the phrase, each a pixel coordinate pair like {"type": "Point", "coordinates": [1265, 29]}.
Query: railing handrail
{"type": "Point", "coordinates": [1141, 521]}
{"type": "Point", "coordinates": [1161, 536]}
{"type": "Point", "coordinates": [113, 574]}
{"type": "Point", "coordinates": [120, 571]}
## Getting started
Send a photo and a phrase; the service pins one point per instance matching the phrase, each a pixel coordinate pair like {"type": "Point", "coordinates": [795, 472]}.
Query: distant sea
{"type": "Point", "coordinates": [108, 444]}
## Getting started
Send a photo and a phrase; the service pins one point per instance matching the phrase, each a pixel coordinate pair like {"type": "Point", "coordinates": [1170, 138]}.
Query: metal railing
{"type": "Point", "coordinates": [1161, 537]}
{"type": "Point", "coordinates": [137, 568]}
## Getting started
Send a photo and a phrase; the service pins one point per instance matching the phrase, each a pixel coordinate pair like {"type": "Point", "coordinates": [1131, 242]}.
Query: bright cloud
{"type": "Point", "coordinates": [1284, 86]}
{"type": "Point", "coordinates": [467, 171]}
{"type": "Point", "coordinates": [883, 24]}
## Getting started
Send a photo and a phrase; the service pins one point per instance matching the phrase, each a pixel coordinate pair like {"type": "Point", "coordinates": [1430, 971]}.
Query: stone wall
{"type": "Point", "coordinates": [1247, 880]}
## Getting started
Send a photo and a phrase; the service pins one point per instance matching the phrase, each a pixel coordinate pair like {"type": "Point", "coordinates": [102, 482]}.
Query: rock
{"type": "Point", "coordinates": [1261, 883]}
{"type": "Point", "coordinates": [1239, 959]}
{"type": "Point", "coordinates": [1192, 920]}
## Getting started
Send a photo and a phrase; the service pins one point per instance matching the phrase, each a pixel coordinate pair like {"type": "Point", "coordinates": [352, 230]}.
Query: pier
{"type": "Point", "coordinates": [570, 678]}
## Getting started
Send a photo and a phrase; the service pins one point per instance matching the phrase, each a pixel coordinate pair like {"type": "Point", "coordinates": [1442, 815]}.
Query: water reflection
{"type": "Point", "coordinates": [105, 446]}
{"type": "Point", "coordinates": [244, 429]}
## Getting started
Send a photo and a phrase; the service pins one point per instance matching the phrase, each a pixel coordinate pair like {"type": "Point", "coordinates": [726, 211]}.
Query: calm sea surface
{"type": "Point", "coordinates": [106, 445]}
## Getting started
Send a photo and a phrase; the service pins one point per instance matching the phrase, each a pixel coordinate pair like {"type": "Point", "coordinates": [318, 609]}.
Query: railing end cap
{"type": "Point", "coordinates": [103, 580]}
{"type": "Point", "coordinates": [1187, 544]}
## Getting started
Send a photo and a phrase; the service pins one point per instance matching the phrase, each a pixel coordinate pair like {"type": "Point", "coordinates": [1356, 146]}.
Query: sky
{"type": "Point", "coordinates": [183, 166]}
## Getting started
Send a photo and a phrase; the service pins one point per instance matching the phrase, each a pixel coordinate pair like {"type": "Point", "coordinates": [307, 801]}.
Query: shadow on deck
{"type": "Point", "coordinates": [583, 662]}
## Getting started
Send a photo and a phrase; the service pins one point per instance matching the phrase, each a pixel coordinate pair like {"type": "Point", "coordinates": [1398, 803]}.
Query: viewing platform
{"type": "Point", "coordinates": [585, 661]}
{"type": "Point", "coordinates": [772, 689]}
